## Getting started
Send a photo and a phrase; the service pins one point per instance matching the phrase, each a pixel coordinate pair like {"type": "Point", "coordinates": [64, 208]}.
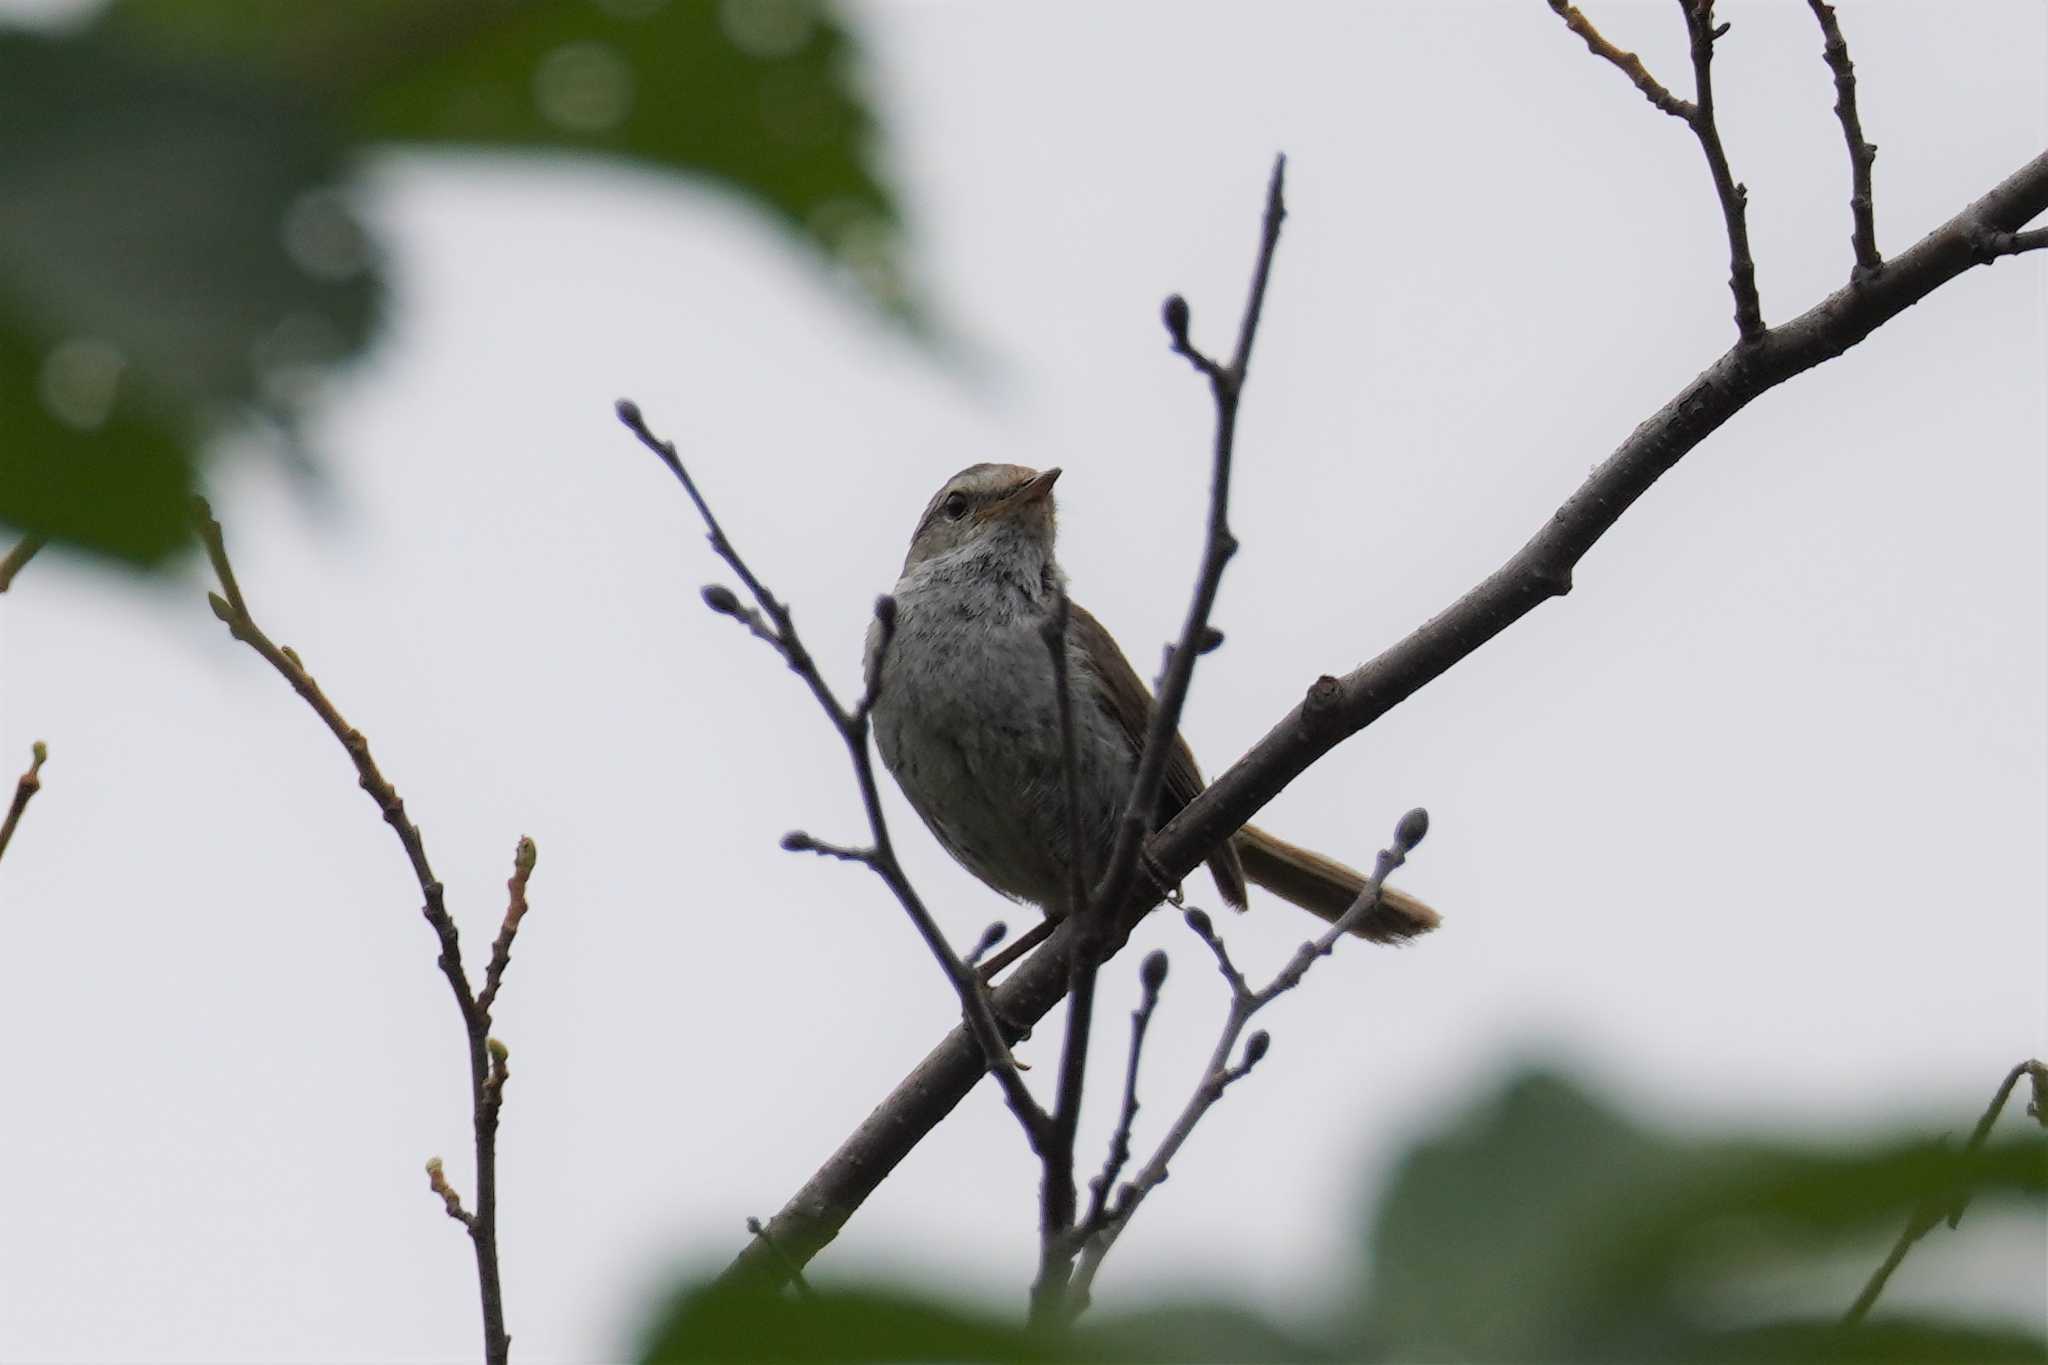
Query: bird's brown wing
{"type": "Point", "coordinates": [1129, 702]}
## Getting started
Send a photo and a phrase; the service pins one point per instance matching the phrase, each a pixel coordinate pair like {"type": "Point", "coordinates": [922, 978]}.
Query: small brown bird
{"type": "Point", "coordinates": [967, 720]}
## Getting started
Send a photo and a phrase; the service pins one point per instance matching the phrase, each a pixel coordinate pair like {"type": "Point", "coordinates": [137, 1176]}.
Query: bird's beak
{"type": "Point", "coordinates": [1036, 489]}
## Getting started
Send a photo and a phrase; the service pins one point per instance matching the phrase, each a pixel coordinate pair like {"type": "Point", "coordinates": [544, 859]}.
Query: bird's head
{"type": "Point", "coordinates": [987, 503]}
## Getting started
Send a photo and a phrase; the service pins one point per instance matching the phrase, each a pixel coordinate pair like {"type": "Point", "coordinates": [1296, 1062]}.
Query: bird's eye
{"type": "Point", "coordinates": [956, 506]}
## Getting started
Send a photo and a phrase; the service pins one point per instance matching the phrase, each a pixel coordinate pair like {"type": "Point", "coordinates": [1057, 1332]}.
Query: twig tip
{"type": "Point", "coordinates": [1174, 313]}
{"type": "Point", "coordinates": [1152, 975]}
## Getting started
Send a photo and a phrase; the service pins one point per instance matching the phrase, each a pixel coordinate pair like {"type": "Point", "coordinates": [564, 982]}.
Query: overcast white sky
{"type": "Point", "coordinates": [1749, 826]}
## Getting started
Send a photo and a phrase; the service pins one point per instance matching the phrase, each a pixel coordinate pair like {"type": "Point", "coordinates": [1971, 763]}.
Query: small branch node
{"type": "Point", "coordinates": [437, 1181]}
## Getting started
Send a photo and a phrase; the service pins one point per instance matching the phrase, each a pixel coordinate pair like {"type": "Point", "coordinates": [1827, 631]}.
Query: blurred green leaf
{"type": "Point", "coordinates": [715, 1325]}
{"type": "Point", "coordinates": [171, 252]}
{"type": "Point", "coordinates": [1542, 1226]}
{"type": "Point", "coordinates": [107, 478]}
{"type": "Point", "coordinates": [1546, 1227]}
{"type": "Point", "coordinates": [176, 210]}
{"type": "Point", "coordinates": [755, 95]}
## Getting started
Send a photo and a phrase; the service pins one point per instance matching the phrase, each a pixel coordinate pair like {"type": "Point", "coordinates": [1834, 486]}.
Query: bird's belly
{"type": "Point", "coordinates": [967, 723]}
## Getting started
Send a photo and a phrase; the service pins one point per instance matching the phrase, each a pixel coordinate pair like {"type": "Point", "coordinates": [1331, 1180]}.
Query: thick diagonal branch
{"type": "Point", "coordinates": [1340, 707]}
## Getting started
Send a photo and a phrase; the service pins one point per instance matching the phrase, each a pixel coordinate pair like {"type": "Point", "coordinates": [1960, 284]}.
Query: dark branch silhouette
{"type": "Point", "coordinates": [1221, 1073]}
{"type": "Point", "coordinates": [769, 620]}
{"type": "Point", "coordinates": [25, 788]}
{"type": "Point", "coordinates": [1862, 207]}
{"type": "Point", "coordinates": [488, 1058]}
{"type": "Point", "coordinates": [1932, 1214]}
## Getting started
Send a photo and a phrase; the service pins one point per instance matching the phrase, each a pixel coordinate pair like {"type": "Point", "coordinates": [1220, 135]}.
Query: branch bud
{"type": "Point", "coordinates": [1174, 313]}
{"type": "Point", "coordinates": [629, 413]}
{"type": "Point", "coordinates": [796, 841]}
{"type": "Point", "coordinates": [1152, 975]}
{"type": "Point", "coordinates": [1410, 832]}
{"type": "Point", "coordinates": [1198, 920]}
{"type": "Point", "coordinates": [1255, 1048]}
{"type": "Point", "coordinates": [885, 613]}
{"type": "Point", "coordinates": [720, 599]}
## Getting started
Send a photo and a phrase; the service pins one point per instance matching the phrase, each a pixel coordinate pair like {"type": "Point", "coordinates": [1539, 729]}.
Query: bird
{"type": "Point", "coordinates": [966, 719]}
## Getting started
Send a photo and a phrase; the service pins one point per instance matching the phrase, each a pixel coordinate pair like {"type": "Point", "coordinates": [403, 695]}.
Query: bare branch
{"type": "Point", "coordinates": [1698, 114]}
{"type": "Point", "coordinates": [1057, 1194]}
{"type": "Point", "coordinates": [773, 623]}
{"type": "Point", "coordinates": [1699, 21]}
{"type": "Point", "coordinates": [1539, 571]}
{"type": "Point", "coordinates": [524, 856]}
{"type": "Point", "coordinates": [1863, 229]}
{"type": "Point", "coordinates": [30, 782]}
{"type": "Point", "coordinates": [487, 1055]}
{"type": "Point", "coordinates": [1630, 64]}
{"type": "Point", "coordinates": [17, 558]}
{"type": "Point", "coordinates": [1151, 978]}
{"type": "Point", "coordinates": [1226, 383]}
{"type": "Point", "coordinates": [1221, 1073]}
{"type": "Point", "coordinates": [1932, 1214]}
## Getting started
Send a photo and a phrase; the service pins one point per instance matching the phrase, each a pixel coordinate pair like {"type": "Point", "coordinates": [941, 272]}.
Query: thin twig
{"type": "Point", "coordinates": [772, 623]}
{"type": "Point", "coordinates": [1151, 977]}
{"type": "Point", "coordinates": [29, 784]}
{"type": "Point", "coordinates": [1226, 384]}
{"type": "Point", "coordinates": [990, 937]}
{"type": "Point", "coordinates": [1698, 115]}
{"type": "Point", "coordinates": [1221, 1073]}
{"type": "Point", "coordinates": [18, 557]}
{"type": "Point", "coordinates": [1338, 708]}
{"type": "Point", "coordinates": [1090, 933]}
{"type": "Point", "coordinates": [523, 857]}
{"type": "Point", "coordinates": [1057, 1194]}
{"type": "Point", "coordinates": [487, 1056]}
{"type": "Point", "coordinates": [1862, 217]}
{"type": "Point", "coordinates": [1934, 1212]}
{"type": "Point", "coordinates": [1699, 20]}
{"type": "Point", "coordinates": [1630, 64]}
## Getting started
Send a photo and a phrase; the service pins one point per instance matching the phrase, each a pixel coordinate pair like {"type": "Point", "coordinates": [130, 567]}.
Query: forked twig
{"type": "Point", "coordinates": [1221, 1072]}
{"type": "Point", "coordinates": [769, 620]}
{"type": "Point", "coordinates": [488, 1058]}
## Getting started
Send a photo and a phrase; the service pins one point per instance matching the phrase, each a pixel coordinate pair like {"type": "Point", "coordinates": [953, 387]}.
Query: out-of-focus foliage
{"type": "Point", "coordinates": [1541, 1226]}
{"type": "Point", "coordinates": [178, 251]}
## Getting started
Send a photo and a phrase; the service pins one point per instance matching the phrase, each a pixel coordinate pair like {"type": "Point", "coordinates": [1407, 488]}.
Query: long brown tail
{"type": "Point", "coordinates": [1326, 887]}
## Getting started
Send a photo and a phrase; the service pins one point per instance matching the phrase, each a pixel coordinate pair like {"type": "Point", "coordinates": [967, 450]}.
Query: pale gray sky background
{"type": "Point", "coordinates": [1749, 826]}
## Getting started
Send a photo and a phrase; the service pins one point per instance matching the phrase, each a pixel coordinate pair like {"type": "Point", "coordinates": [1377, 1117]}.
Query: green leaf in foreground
{"type": "Point", "coordinates": [756, 96]}
{"type": "Point", "coordinates": [173, 254]}
{"type": "Point", "coordinates": [1541, 1226]}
